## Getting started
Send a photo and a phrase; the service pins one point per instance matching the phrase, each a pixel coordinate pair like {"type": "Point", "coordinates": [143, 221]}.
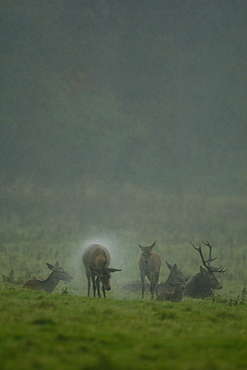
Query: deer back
{"type": "Point", "coordinates": [96, 256]}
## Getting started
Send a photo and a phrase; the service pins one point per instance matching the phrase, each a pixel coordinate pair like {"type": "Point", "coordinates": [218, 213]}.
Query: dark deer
{"type": "Point", "coordinates": [176, 295]}
{"type": "Point", "coordinates": [175, 276]}
{"type": "Point", "coordinates": [173, 288]}
{"type": "Point", "coordinates": [149, 264]}
{"type": "Point", "coordinates": [96, 259]}
{"type": "Point", "coordinates": [51, 282]}
{"type": "Point", "coordinates": [203, 283]}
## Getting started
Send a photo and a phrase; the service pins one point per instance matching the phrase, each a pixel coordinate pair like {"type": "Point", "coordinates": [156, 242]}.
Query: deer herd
{"type": "Point", "coordinates": [96, 259]}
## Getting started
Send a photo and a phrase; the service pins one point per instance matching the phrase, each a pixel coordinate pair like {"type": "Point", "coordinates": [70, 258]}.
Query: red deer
{"type": "Point", "coordinates": [149, 264]}
{"type": "Point", "coordinates": [175, 276]}
{"type": "Point", "coordinates": [203, 283]}
{"type": "Point", "coordinates": [96, 259]}
{"type": "Point", "coordinates": [51, 282]}
{"type": "Point", "coordinates": [176, 295]}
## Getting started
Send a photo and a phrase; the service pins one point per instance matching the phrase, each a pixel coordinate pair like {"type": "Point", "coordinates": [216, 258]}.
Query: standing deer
{"type": "Point", "coordinates": [176, 295]}
{"type": "Point", "coordinates": [96, 259]}
{"type": "Point", "coordinates": [149, 265]}
{"type": "Point", "coordinates": [203, 283]}
{"type": "Point", "coordinates": [51, 282]}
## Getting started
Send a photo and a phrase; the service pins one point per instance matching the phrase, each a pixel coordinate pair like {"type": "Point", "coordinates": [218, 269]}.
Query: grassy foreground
{"type": "Point", "coordinates": [61, 331]}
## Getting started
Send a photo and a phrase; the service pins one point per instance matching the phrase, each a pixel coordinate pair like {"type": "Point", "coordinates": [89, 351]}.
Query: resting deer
{"type": "Point", "coordinates": [175, 276]}
{"type": "Point", "coordinates": [203, 283]}
{"type": "Point", "coordinates": [149, 265]}
{"type": "Point", "coordinates": [173, 288]}
{"type": "Point", "coordinates": [176, 295]}
{"type": "Point", "coordinates": [51, 282]}
{"type": "Point", "coordinates": [96, 259]}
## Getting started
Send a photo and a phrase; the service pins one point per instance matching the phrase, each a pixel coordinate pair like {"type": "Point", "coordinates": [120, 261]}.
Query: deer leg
{"type": "Point", "coordinates": [152, 286]}
{"type": "Point", "coordinates": [103, 290]}
{"type": "Point", "coordinates": [94, 285]}
{"type": "Point", "coordinates": [98, 286]}
{"type": "Point", "coordinates": [156, 284]}
{"type": "Point", "coordinates": [88, 284]}
{"type": "Point", "coordinates": [143, 286]}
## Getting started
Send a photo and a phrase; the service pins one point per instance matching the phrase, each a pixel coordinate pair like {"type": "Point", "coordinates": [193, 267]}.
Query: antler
{"type": "Point", "coordinates": [214, 269]}
{"type": "Point", "coordinates": [207, 263]}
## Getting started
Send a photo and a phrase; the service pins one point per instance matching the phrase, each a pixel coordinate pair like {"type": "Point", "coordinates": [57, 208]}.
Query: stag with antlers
{"type": "Point", "coordinates": [203, 284]}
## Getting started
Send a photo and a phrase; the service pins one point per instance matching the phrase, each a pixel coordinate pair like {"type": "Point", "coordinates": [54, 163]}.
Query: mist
{"type": "Point", "coordinates": [125, 121]}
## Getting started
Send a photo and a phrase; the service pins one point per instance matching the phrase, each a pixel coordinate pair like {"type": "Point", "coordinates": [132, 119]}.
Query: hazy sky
{"type": "Point", "coordinates": [125, 90]}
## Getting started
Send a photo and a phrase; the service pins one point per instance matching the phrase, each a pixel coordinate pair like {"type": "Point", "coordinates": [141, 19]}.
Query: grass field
{"type": "Point", "coordinates": [67, 330]}
{"type": "Point", "coordinates": [62, 331]}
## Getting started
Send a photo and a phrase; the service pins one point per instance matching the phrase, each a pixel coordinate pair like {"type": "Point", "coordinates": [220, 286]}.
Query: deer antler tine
{"type": "Point", "coordinates": [210, 259]}
{"type": "Point", "coordinates": [219, 269]}
{"type": "Point", "coordinates": [195, 246]}
{"type": "Point", "coordinates": [199, 249]}
{"type": "Point", "coordinates": [207, 244]}
{"type": "Point", "coordinates": [192, 244]}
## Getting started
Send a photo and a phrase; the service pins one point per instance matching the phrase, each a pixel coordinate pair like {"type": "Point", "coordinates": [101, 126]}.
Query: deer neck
{"type": "Point", "coordinates": [51, 282]}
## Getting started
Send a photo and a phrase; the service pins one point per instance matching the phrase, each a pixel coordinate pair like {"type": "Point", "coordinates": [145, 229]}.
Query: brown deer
{"type": "Point", "coordinates": [203, 283]}
{"type": "Point", "coordinates": [175, 276]}
{"type": "Point", "coordinates": [96, 259]}
{"type": "Point", "coordinates": [176, 295]}
{"type": "Point", "coordinates": [51, 282]}
{"type": "Point", "coordinates": [149, 265]}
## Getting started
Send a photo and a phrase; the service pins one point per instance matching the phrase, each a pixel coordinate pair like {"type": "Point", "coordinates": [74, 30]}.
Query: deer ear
{"type": "Point", "coordinates": [168, 265]}
{"type": "Point", "coordinates": [153, 244]}
{"type": "Point", "coordinates": [56, 264]}
{"type": "Point", "coordinates": [113, 270]}
{"type": "Point", "coordinates": [140, 246]}
{"type": "Point", "coordinates": [202, 270]}
{"type": "Point", "coordinates": [51, 267]}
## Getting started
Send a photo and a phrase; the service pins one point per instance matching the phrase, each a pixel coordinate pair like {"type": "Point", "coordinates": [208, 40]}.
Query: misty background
{"type": "Point", "coordinates": [126, 120]}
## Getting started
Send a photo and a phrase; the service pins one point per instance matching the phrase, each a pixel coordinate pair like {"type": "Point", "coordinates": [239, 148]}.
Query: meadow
{"type": "Point", "coordinates": [43, 331]}
{"type": "Point", "coordinates": [68, 330]}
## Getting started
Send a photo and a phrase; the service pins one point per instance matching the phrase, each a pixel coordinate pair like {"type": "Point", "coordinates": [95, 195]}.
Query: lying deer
{"type": "Point", "coordinates": [175, 276]}
{"type": "Point", "coordinates": [96, 259]}
{"type": "Point", "coordinates": [51, 282]}
{"type": "Point", "coordinates": [203, 283]}
{"type": "Point", "coordinates": [176, 295]}
{"type": "Point", "coordinates": [149, 265]}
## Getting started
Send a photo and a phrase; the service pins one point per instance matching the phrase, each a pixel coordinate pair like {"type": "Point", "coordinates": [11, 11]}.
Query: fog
{"type": "Point", "coordinates": [125, 118]}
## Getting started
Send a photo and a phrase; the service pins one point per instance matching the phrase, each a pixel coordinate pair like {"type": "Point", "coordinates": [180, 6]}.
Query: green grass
{"type": "Point", "coordinates": [71, 331]}
{"type": "Point", "coordinates": [58, 331]}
